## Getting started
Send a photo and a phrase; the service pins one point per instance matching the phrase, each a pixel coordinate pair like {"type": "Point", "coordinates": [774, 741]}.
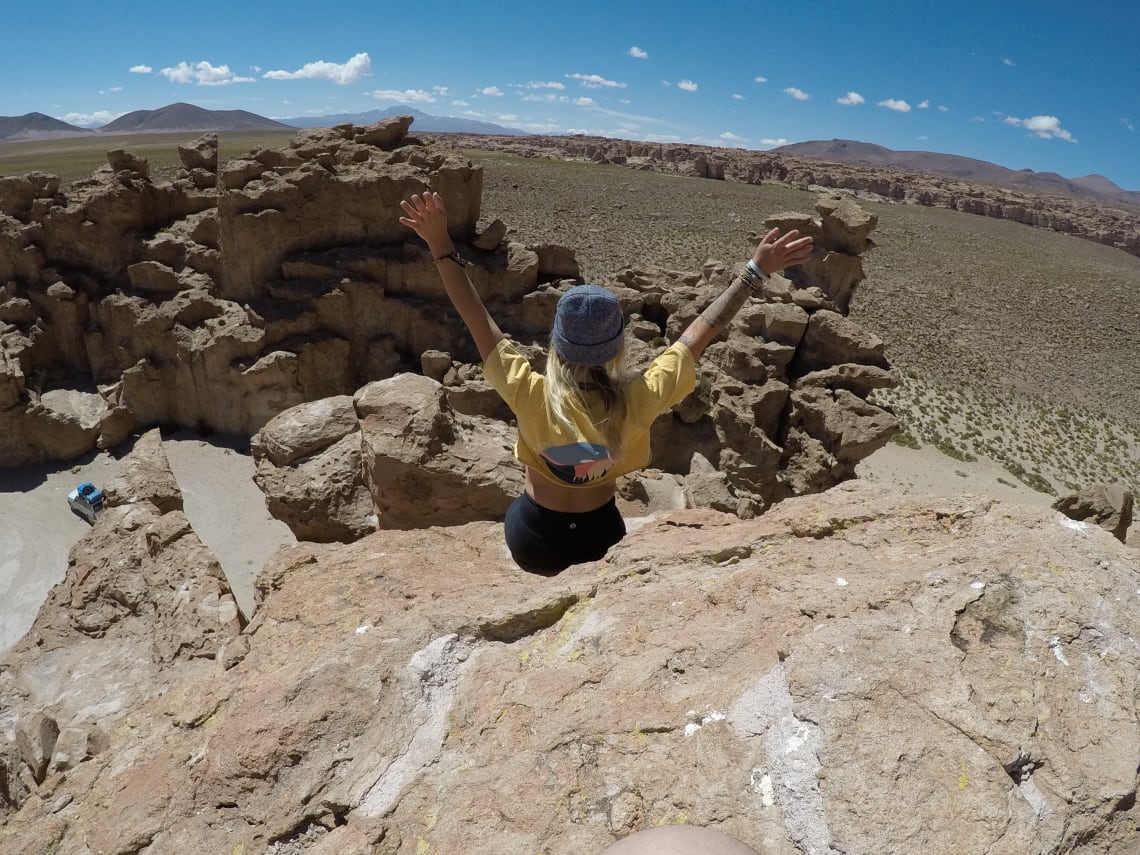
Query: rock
{"type": "Point", "coordinates": [1107, 505]}
{"type": "Point", "coordinates": [123, 161]}
{"type": "Point", "coordinates": [846, 226]}
{"type": "Point", "coordinates": [322, 497]}
{"type": "Point", "coordinates": [832, 339]}
{"type": "Point", "coordinates": [556, 262]}
{"type": "Point", "coordinates": [304, 429]}
{"type": "Point", "coordinates": [202, 153]}
{"type": "Point", "coordinates": [807, 681]}
{"type": "Point", "coordinates": [385, 133]}
{"type": "Point", "coordinates": [36, 738]}
{"type": "Point", "coordinates": [425, 464]}
{"type": "Point", "coordinates": [491, 237]}
{"type": "Point", "coordinates": [435, 364]}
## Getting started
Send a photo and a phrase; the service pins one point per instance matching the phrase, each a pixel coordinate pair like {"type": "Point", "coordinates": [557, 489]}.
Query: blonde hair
{"type": "Point", "coordinates": [592, 389]}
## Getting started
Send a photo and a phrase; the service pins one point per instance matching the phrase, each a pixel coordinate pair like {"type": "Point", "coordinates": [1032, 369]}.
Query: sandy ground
{"type": "Point", "coordinates": [37, 529]}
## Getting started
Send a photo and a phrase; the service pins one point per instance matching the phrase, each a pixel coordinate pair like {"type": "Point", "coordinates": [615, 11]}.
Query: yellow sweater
{"type": "Point", "coordinates": [579, 457]}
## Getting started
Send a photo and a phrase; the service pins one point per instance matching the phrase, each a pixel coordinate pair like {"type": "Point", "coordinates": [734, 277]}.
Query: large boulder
{"type": "Point", "coordinates": [426, 464]}
{"type": "Point", "coordinates": [1107, 505]}
{"type": "Point", "coordinates": [856, 671]}
{"type": "Point", "coordinates": [309, 467]}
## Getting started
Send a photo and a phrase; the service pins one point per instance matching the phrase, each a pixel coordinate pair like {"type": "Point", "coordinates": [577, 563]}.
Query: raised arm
{"type": "Point", "coordinates": [427, 217]}
{"type": "Point", "coordinates": [773, 254]}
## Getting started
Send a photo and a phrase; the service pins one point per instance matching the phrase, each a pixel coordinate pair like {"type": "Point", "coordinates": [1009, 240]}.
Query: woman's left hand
{"type": "Point", "coordinates": [776, 251]}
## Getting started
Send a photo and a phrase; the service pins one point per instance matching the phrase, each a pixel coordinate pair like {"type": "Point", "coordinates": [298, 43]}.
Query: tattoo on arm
{"type": "Point", "coordinates": [724, 308]}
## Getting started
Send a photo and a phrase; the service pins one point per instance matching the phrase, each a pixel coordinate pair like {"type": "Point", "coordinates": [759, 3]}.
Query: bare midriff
{"type": "Point", "coordinates": [567, 500]}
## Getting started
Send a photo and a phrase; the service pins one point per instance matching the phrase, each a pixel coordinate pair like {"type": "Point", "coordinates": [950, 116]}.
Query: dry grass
{"type": "Point", "coordinates": [1012, 343]}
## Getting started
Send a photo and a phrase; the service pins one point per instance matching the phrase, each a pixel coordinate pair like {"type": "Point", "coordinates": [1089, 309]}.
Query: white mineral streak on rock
{"type": "Point", "coordinates": [1058, 650]}
{"type": "Point", "coordinates": [432, 674]}
{"type": "Point", "coordinates": [791, 747]}
{"type": "Point", "coordinates": [1075, 525]}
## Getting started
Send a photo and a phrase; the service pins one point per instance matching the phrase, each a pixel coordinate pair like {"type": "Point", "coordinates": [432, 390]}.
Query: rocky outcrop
{"type": "Point", "coordinates": [781, 407]}
{"type": "Point", "coordinates": [219, 298]}
{"type": "Point", "coordinates": [288, 280]}
{"type": "Point", "coordinates": [856, 671]}
{"type": "Point", "coordinates": [143, 604]}
{"type": "Point", "coordinates": [1116, 226]}
{"type": "Point", "coordinates": [1107, 505]}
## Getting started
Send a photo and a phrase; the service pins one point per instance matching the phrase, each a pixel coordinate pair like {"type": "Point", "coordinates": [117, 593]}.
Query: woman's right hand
{"type": "Point", "coordinates": [776, 251]}
{"type": "Point", "coordinates": [426, 215]}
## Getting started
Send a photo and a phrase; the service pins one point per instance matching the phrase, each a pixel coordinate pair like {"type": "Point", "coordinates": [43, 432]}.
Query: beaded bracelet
{"type": "Point", "coordinates": [754, 282]}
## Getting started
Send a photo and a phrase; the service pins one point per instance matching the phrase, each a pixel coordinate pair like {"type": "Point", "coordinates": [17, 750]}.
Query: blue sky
{"type": "Point", "coordinates": [1039, 84]}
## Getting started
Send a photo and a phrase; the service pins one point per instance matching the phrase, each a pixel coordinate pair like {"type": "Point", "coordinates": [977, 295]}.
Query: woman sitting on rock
{"type": "Point", "coordinates": [585, 422]}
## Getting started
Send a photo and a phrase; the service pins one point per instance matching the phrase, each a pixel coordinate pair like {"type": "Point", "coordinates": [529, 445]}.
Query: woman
{"type": "Point", "coordinates": [584, 423]}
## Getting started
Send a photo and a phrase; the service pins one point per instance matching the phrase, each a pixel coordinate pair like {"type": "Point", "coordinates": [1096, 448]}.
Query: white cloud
{"type": "Point", "coordinates": [90, 120]}
{"type": "Point", "coordinates": [112, 89]}
{"type": "Point", "coordinates": [508, 117]}
{"type": "Point", "coordinates": [623, 101]}
{"type": "Point", "coordinates": [943, 109]}
{"type": "Point", "coordinates": [798, 94]}
{"type": "Point", "coordinates": [545, 98]}
{"type": "Point", "coordinates": [493, 91]}
{"type": "Point", "coordinates": [923, 104]}
{"type": "Point", "coordinates": [584, 102]}
{"type": "Point", "coordinates": [203, 73]}
{"type": "Point", "coordinates": [339, 73]}
{"type": "Point", "coordinates": [551, 84]}
{"type": "Point", "coordinates": [687, 85]}
{"type": "Point", "coordinates": [140, 69]}
{"type": "Point", "coordinates": [1007, 61]}
{"type": "Point", "coordinates": [638, 53]}
{"type": "Point", "coordinates": [780, 141]}
{"type": "Point", "coordinates": [404, 96]}
{"type": "Point", "coordinates": [459, 102]}
{"type": "Point", "coordinates": [899, 106]}
{"type": "Point", "coordinates": [736, 96]}
{"type": "Point", "coordinates": [1128, 124]}
{"type": "Point", "coordinates": [850, 99]}
{"type": "Point", "coordinates": [1044, 127]}
{"type": "Point", "coordinates": [760, 79]}
{"type": "Point", "coordinates": [595, 81]}
{"type": "Point", "coordinates": [981, 120]}
{"type": "Point", "coordinates": [923, 137]}
{"type": "Point", "coordinates": [728, 136]}
{"type": "Point", "coordinates": [441, 91]}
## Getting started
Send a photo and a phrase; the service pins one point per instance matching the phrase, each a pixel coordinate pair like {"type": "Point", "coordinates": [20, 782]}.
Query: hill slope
{"type": "Point", "coordinates": [188, 117]}
{"type": "Point", "coordinates": [36, 126]}
{"type": "Point", "coordinates": [851, 151]}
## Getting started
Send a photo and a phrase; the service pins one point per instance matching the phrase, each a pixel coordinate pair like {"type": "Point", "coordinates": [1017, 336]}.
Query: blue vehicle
{"type": "Point", "coordinates": [86, 500]}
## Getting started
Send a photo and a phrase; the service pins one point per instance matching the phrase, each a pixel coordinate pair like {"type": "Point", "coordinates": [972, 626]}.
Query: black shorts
{"type": "Point", "coordinates": [545, 541]}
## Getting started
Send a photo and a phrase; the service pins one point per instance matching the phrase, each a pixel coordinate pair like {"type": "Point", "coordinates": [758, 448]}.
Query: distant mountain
{"type": "Point", "coordinates": [36, 126]}
{"type": "Point", "coordinates": [187, 117]}
{"type": "Point", "coordinates": [423, 122]}
{"type": "Point", "coordinates": [967, 168]}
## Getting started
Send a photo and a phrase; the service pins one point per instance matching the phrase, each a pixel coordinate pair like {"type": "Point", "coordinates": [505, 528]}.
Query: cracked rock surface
{"type": "Point", "coordinates": [857, 671]}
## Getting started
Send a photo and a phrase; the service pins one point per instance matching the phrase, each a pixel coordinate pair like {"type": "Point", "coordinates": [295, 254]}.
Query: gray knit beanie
{"type": "Point", "coordinates": [589, 327]}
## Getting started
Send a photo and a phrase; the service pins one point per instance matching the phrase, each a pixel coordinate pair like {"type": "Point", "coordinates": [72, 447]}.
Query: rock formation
{"type": "Point", "coordinates": [856, 671]}
{"type": "Point", "coordinates": [781, 409]}
{"type": "Point", "coordinates": [1107, 505]}
{"type": "Point", "coordinates": [143, 604]}
{"type": "Point", "coordinates": [232, 292]}
{"type": "Point", "coordinates": [1117, 226]}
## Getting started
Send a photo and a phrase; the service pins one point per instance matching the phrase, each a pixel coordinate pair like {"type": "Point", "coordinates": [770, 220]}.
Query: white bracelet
{"type": "Point", "coordinates": [755, 268]}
